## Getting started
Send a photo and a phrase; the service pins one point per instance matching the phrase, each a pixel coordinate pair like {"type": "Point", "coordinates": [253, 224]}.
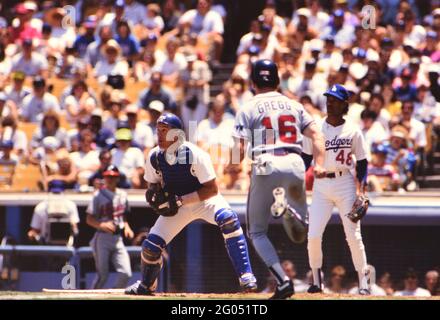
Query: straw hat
{"type": "Point", "coordinates": [111, 45]}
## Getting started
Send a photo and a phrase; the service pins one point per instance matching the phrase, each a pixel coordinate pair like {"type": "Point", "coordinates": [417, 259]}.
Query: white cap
{"type": "Point", "coordinates": [409, 43]}
{"type": "Point", "coordinates": [51, 142]}
{"type": "Point", "coordinates": [303, 12]}
{"type": "Point", "coordinates": [30, 5]}
{"type": "Point", "coordinates": [358, 70]}
{"type": "Point", "coordinates": [131, 108]}
{"type": "Point", "coordinates": [316, 44]}
{"type": "Point", "coordinates": [157, 105]}
{"type": "Point", "coordinates": [372, 55]}
{"type": "Point", "coordinates": [97, 112]}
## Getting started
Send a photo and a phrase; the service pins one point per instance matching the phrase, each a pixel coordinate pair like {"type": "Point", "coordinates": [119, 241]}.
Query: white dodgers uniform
{"type": "Point", "coordinates": [344, 145]}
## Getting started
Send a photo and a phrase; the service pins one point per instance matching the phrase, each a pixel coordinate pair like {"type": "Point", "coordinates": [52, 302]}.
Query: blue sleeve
{"type": "Point", "coordinates": [362, 170]}
{"type": "Point", "coordinates": [134, 46]}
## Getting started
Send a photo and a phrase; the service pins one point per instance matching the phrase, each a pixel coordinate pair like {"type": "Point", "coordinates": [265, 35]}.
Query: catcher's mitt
{"type": "Point", "coordinates": [359, 209]}
{"type": "Point", "coordinates": [163, 202]}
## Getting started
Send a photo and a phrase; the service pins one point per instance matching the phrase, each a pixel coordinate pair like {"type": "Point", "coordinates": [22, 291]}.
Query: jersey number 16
{"type": "Point", "coordinates": [286, 127]}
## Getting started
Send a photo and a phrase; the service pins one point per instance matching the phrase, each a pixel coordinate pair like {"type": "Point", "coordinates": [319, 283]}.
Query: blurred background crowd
{"type": "Point", "coordinates": [83, 82]}
{"type": "Point", "coordinates": [339, 281]}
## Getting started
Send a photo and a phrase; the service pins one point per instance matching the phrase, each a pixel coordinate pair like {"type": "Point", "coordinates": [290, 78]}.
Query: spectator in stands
{"type": "Point", "coordinates": [382, 176]}
{"type": "Point", "coordinates": [343, 33]}
{"type": "Point", "coordinates": [94, 52]}
{"type": "Point", "coordinates": [83, 40]}
{"type": "Point", "coordinates": [29, 61]}
{"type": "Point", "coordinates": [143, 68]}
{"type": "Point", "coordinates": [318, 19]}
{"type": "Point", "coordinates": [207, 24]}
{"type": "Point", "coordinates": [86, 160]}
{"type": "Point", "coordinates": [55, 209]}
{"type": "Point", "coordinates": [336, 283]}
{"type": "Point", "coordinates": [115, 107]}
{"type": "Point", "coordinates": [173, 65]}
{"type": "Point", "coordinates": [411, 286]}
{"type": "Point", "coordinates": [62, 33]}
{"type": "Point", "coordinates": [64, 170]}
{"type": "Point", "coordinates": [96, 180]}
{"type": "Point", "coordinates": [195, 79]}
{"type": "Point", "coordinates": [170, 15]}
{"type": "Point", "coordinates": [17, 91]}
{"type": "Point", "coordinates": [386, 284]}
{"type": "Point", "coordinates": [22, 29]}
{"type": "Point", "coordinates": [128, 43]}
{"type": "Point", "coordinates": [10, 131]}
{"type": "Point", "coordinates": [432, 282]}
{"type": "Point", "coordinates": [310, 83]}
{"type": "Point", "coordinates": [35, 105]}
{"type": "Point", "coordinates": [142, 133]}
{"type": "Point", "coordinates": [406, 91]}
{"type": "Point", "coordinates": [104, 137]}
{"type": "Point", "coordinates": [7, 107]}
{"type": "Point", "coordinates": [290, 270]}
{"type": "Point", "coordinates": [152, 21]}
{"type": "Point", "coordinates": [134, 12]}
{"type": "Point", "coordinates": [6, 152]}
{"type": "Point", "coordinates": [399, 156]}
{"type": "Point", "coordinates": [417, 130]}
{"type": "Point", "coordinates": [129, 160]}
{"type": "Point", "coordinates": [426, 109]}
{"type": "Point", "coordinates": [112, 64]}
{"type": "Point", "coordinates": [50, 126]}
{"type": "Point", "coordinates": [79, 105]}
{"type": "Point", "coordinates": [376, 104]}
{"type": "Point", "coordinates": [157, 92]}
{"type": "Point", "coordinates": [374, 133]}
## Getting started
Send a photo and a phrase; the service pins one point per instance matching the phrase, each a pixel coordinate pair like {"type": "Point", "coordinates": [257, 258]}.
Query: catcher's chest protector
{"type": "Point", "coordinates": [177, 177]}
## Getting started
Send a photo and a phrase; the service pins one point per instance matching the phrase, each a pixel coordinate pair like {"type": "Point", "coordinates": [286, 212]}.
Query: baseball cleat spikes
{"type": "Point", "coordinates": [279, 207]}
{"type": "Point", "coordinates": [283, 291]}
{"type": "Point", "coordinates": [138, 289]}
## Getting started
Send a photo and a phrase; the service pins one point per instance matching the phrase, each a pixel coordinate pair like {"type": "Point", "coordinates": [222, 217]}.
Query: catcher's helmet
{"type": "Point", "coordinates": [171, 119]}
{"type": "Point", "coordinates": [265, 73]}
{"type": "Point", "coordinates": [111, 171]}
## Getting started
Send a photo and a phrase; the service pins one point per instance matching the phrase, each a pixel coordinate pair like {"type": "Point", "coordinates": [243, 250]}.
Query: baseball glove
{"type": "Point", "coordinates": [359, 209]}
{"type": "Point", "coordinates": [163, 202]}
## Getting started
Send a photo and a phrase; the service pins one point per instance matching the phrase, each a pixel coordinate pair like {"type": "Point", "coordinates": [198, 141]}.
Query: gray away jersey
{"type": "Point", "coordinates": [270, 121]}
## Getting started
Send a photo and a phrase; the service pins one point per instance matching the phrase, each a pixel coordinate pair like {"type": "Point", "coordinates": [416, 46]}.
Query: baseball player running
{"type": "Point", "coordinates": [339, 188]}
{"type": "Point", "coordinates": [274, 126]}
{"type": "Point", "coordinates": [183, 188]}
{"type": "Point", "coordinates": [107, 213]}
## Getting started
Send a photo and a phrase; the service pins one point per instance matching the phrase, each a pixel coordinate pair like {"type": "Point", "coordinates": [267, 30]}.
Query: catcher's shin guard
{"type": "Point", "coordinates": [151, 260]}
{"type": "Point", "coordinates": [235, 242]}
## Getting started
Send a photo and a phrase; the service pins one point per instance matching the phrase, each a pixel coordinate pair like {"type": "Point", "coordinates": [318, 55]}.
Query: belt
{"type": "Point", "coordinates": [283, 151]}
{"type": "Point", "coordinates": [333, 175]}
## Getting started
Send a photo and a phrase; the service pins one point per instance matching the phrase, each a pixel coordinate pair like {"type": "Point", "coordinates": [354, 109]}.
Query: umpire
{"type": "Point", "coordinates": [107, 213]}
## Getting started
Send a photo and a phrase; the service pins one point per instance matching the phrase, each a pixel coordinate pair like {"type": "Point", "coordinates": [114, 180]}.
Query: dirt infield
{"type": "Point", "coordinates": [118, 295]}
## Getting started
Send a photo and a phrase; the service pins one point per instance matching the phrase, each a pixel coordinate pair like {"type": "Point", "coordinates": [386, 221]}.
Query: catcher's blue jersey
{"type": "Point", "coordinates": [182, 175]}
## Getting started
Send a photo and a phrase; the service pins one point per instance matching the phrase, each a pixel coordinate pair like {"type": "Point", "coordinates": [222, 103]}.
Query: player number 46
{"type": "Point", "coordinates": [342, 159]}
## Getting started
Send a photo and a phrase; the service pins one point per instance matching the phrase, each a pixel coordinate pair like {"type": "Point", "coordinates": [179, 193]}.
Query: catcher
{"type": "Point", "coordinates": [344, 145]}
{"type": "Point", "coordinates": [182, 188]}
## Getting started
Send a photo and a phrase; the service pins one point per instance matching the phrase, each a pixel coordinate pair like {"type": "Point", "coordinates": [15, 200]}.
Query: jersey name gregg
{"type": "Point", "coordinates": [338, 143]}
{"type": "Point", "coordinates": [266, 106]}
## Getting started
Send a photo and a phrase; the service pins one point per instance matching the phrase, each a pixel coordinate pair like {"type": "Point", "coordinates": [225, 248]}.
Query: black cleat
{"type": "Point", "coordinates": [364, 292]}
{"type": "Point", "coordinates": [314, 289]}
{"type": "Point", "coordinates": [283, 291]}
{"type": "Point", "coordinates": [138, 289]}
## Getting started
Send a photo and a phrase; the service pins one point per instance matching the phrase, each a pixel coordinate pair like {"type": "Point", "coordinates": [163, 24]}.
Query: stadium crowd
{"type": "Point", "coordinates": [338, 281]}
{"type": "Point", "coordinates": [98, 80]}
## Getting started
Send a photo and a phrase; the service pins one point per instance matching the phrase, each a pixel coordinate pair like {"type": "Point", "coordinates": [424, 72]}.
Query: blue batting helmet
{"type": "Point", "coordinates": [265, 73]}
{"type": "Point", "coordinates": [171, 119]}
